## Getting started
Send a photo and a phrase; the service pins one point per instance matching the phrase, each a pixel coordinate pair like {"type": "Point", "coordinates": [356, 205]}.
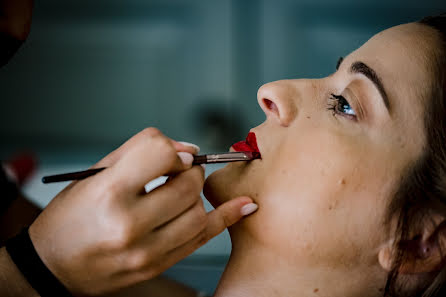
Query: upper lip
{"type": "Point", "coordinates": [249, 144]}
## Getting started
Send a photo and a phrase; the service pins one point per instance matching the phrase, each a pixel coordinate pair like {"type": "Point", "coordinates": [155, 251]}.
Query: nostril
{"type": "Point", "coordinates": [270, 105]}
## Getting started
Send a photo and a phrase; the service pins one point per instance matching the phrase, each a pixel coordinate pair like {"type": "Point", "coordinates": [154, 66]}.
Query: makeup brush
{"type": "Point", "coordinates": [201, 159]}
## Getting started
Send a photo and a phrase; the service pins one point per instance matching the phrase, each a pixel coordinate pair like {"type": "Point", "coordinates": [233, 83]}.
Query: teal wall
{"type": "Point", "coordinates": [93, 73]}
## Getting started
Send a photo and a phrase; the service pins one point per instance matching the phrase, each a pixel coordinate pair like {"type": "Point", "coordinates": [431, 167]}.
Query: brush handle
{"type": "Point", "coordinates": [202, 159]}
{"type": "Point", "coordinates": [71, 176]}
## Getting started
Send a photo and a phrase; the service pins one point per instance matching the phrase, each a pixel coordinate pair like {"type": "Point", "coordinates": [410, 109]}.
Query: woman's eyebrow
{"type": "Point", "coordinates": [360, 67]}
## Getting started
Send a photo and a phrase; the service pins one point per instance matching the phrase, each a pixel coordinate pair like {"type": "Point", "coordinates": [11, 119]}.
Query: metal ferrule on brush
{"type": "Point", "coordinates": [225, 157]}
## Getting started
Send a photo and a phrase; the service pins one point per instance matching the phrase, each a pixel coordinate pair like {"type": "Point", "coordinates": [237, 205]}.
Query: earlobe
{"type": "Point", "coordinates": [385, 256]}
{"type": "Point", "coordinates": [418, 255]}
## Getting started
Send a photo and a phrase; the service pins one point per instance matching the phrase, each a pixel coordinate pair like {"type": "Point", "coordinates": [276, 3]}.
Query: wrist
{"type": "Point", "coordinates": [22, 252]}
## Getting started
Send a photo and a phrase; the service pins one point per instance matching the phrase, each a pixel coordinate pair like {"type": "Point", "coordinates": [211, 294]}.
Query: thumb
{"type": "Point", "coordinates": [228, 214]}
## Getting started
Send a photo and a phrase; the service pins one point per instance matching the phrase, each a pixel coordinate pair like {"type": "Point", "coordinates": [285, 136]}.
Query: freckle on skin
{"type": "Point", "coordinates": [308, 117]}
{"type": "Point", "coordinates": [342, 181]}
{"type": "Point", "coordinates": [333, 205]}
{"type": "Point", "coordinates": [316, 290]}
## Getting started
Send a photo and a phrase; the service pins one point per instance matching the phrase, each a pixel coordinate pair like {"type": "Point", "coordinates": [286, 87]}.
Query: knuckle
{"type": "Point", "coordinates": [161, 141]}
{"type": "Point", "coordinates": [226, 221]}
{"type": "Point", "coordinates": [113, 189]}
{"type": "Point", "coordinates": [138, 260]}
{"type": "Point", "coordinates": [201, 217]}
{"type": "Point", "coordinates": [165, 150]}
{"type": "Point", "coordinates": [151, 132]}
{"type": "Point", "coordinates": [201, 239]}
{"type": "Point", "coordinates": [123, 234]}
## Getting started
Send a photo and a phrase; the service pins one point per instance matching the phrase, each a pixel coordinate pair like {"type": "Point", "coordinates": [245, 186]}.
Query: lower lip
{"type": "Point", "coordinates": [249, 145]}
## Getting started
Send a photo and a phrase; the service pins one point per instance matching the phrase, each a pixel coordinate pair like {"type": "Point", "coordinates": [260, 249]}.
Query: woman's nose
{"type": "Point", "coordinates": [278, 101]}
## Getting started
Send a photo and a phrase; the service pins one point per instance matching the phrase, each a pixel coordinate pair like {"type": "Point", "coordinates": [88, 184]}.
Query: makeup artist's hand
{"type": "Point", "coordinates": [105, 233]}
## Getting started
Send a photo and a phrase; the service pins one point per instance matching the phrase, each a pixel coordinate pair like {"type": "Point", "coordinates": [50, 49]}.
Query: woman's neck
{"type": "Point", "coordinates": [259, 272]}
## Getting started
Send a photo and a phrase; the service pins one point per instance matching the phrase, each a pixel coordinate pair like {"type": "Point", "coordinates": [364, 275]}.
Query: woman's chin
{"type": "Point", "coordinates": [222, 185]}
{"type": "Point", "coordinates": [213, 189]}
{"type": "Point", "coordinates": [234, 180]}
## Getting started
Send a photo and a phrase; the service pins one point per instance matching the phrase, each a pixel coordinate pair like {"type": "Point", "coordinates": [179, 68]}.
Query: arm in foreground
{"type": "Point", "coordinates": [12, 282]}
{"type": "Point", "coordinates": [103, 234]}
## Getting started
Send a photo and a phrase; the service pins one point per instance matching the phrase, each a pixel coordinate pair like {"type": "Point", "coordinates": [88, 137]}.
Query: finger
{"type": "Point", "coordinates": [182, 146]}
{"type": "Point", "coordinates": [228, 214]}
{"type": "Point", "coordinates": [183, 228]}
{"type": "Point", "coordinates": [181, 252]}
{"type": "Point", "coordinates": [150, 157]}
{"type": "Point", "coordinates": [169, 200]}
{"type": "Point", "coordinates": [116, 155]}
{"type": "Point", "coordinates": [224, 216]}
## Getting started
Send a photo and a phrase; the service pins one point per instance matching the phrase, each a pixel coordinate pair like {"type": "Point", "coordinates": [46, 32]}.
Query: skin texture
{"type": "Point", "coordinates": [105, 233]}
{"type": "Point", "coordinates": [325, 179]}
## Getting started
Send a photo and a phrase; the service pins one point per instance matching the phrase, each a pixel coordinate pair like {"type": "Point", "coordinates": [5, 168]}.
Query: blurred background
{"type": "Point", "coordinates": [94, 73]}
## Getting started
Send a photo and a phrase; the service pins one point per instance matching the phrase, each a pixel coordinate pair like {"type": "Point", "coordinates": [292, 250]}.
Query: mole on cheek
{"type": "Point", "coordinates": [342, 182]}
{"type": "Point", "coordinates": [333, 205]}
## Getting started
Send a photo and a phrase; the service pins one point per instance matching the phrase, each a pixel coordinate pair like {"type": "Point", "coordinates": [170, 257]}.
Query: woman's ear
{"type": "Point", "coordinates": [422, 254]}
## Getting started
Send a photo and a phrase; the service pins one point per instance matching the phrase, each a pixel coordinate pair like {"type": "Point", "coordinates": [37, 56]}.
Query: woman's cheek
{"type": "Point", "coordinates": [304, 208]}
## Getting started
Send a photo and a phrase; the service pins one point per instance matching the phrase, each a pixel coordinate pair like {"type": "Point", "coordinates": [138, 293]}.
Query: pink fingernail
{"type": "Point", "coordinates": [196, 147]}
{"type": "Point", "coordinates": [186, 158]}
{"type": "Point", "coordinates": [248, 209]}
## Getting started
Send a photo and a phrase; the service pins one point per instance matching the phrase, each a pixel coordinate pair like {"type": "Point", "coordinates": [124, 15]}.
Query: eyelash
{"type": "Point", "coordinates": [340, 60]}
{"type": "Point", "coordinates": [337, 101]}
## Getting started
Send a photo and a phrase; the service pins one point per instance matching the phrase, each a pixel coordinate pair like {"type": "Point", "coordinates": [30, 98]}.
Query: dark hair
{"type": "Point", "coordinates": [421, 195]}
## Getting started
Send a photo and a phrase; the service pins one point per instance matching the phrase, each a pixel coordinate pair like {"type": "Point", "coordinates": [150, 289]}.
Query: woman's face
{"type": "Point", "coordinates": [333, 151]}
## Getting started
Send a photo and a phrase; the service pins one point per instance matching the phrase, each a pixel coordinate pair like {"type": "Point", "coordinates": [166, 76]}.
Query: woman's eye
{"type": "Point", "coordinates": [339, 105]}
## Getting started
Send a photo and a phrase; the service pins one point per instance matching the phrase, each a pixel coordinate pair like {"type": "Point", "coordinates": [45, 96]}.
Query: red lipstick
{"type": "Point", "coordinates": [248, 145]}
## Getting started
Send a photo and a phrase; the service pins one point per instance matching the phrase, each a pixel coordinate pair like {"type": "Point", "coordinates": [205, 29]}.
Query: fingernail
{"type": "Point", "coordinates": [248, 209]}
{"type": "Point", "coordinates": [190, 144]}
{"type": "Point", "coordinates": [203, 166]}
{"type": "Point", "coordinates": [186, 158]}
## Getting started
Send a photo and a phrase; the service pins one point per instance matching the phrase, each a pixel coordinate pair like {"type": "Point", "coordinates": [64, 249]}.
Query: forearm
{"type": "Point", "coordinates": [157, 287]}
{"type": "Point", "coordinates": [15, 17]}
{"type": "Point", "coordinates": [12, 282]}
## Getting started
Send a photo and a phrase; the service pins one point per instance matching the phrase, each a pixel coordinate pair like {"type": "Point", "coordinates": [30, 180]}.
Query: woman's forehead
{"type": "Point", "coordinates": [401, 57]}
